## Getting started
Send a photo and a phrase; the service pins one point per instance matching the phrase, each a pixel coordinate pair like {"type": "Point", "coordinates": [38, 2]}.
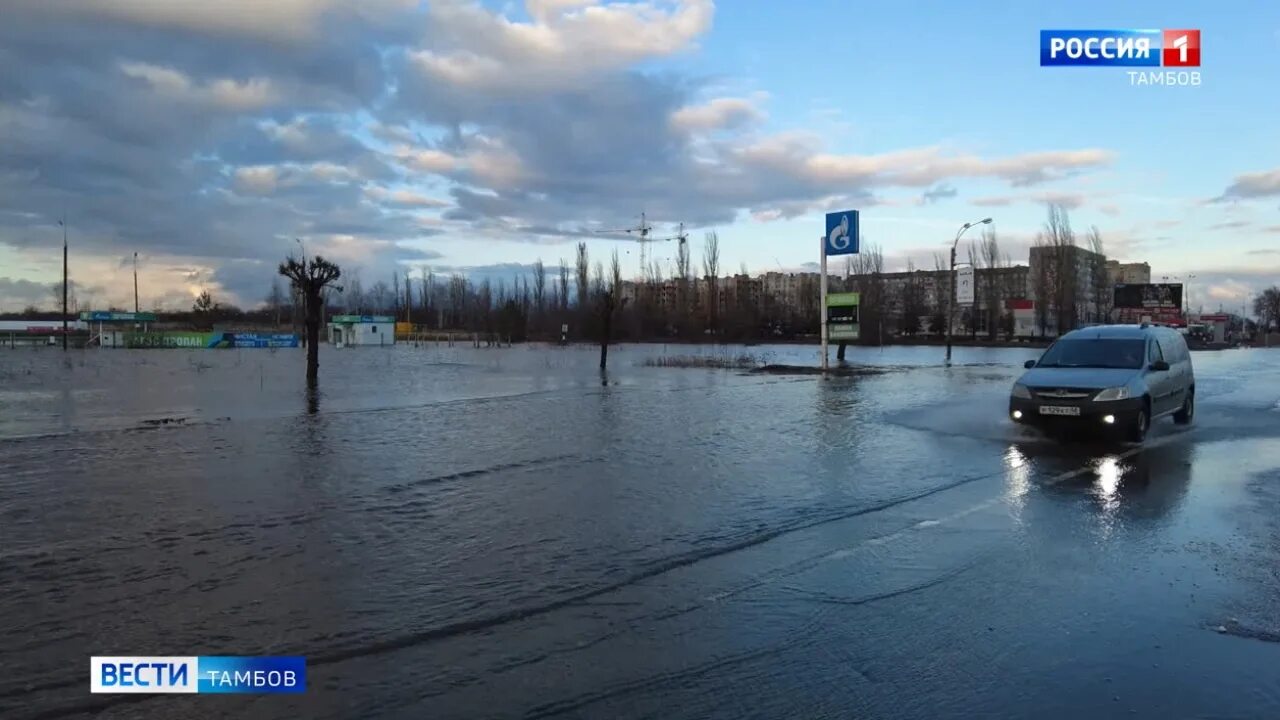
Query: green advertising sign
{"type": "Point", "coordinates": [842, 316]}
{"type": "Point", "coordinates": [199, 340]}
{"type": "Point", "coordinates": [842, 299]}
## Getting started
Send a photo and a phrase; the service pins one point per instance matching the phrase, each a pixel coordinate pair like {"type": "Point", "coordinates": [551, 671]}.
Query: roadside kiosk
{"type": "Point", "coordinates": [348, 330]}
{"type": "Point", "coordinates": [114, 328]}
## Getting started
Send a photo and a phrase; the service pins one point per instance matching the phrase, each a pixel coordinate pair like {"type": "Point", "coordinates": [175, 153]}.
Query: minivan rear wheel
{"type": "Point", "coordinates": [1138, 428]}
{"type": "Point", "coordinates": [1188, 411]}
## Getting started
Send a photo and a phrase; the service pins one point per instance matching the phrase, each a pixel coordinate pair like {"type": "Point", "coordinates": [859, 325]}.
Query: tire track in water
{"type": "Point", "coordinates": [654, 570]}
{"type": "Point", "coordinates": [489, 470]}
{"type": "Point", "coordinates": [814, 625]}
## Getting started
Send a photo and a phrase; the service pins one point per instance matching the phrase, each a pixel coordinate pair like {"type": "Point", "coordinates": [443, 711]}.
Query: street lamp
{"type": "Point", "coordinates": [1186, 292]}
{"type": "Point", "coordinates": [951, 296]}
{"type": "Point", "coordinates": [63, 223]}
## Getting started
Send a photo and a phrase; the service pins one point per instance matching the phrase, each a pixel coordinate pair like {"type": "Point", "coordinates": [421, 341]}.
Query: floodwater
{"type": "Point", "coordinates": [505, 533]}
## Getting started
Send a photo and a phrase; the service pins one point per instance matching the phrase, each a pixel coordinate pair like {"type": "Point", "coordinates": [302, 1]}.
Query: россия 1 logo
{"type": "Point", "coordinates": [1127, 48]}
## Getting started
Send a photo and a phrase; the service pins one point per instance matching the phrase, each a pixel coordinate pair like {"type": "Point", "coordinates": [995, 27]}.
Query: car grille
{"type": "Point", "coordinates": [1064, 393]}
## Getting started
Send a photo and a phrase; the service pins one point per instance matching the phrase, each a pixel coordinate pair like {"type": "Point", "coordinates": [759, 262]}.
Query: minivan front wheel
{"type": "Point", "coordinates": [1138, 428]}
{"type": "Point", "coordinates": [1188, 411]}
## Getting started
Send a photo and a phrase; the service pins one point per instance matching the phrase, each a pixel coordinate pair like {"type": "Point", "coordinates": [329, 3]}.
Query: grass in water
{"type": "Point", "coordinates": [743, 361]}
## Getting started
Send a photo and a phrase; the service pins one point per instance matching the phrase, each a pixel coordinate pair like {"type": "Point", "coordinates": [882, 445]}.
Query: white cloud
{"type": "Point", "coordinates": [267, 179]}
{"type": "Point", "coordinates": [566, 41]}
{"type": "Point", "coordinates": [796, 155]}
{"type": "Point", "coordinates": [1230, 290]}
{"type": "Point", "coordinates": [425, 160]}
{"type": "Point", "coordinates": [222, 93]}
{"type": "Point", "coordinates": [717, 114]}
{"type": "Point", "coordinates": [278, 20]}
{"type": "Point", "coordinates": [405, 198]}
{"type": "Point", "coordinates": [256, 180]}
{"type": "Point", "coordinates": [1248, 186]}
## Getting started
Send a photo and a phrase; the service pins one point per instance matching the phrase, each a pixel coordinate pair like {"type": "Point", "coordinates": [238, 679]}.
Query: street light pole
{"type": "Point", "coordinates": [135, 283]}
{"type": "Point", "coordinates": [63, 223]}
{"type": "Point", "coordinates": [1186, 293]}
{"type": "Point", "coordinates": [951, 280]}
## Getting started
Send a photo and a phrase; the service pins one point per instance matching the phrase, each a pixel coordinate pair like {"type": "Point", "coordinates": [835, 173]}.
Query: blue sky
{"type": "Point", "coordinates": [480, 137]}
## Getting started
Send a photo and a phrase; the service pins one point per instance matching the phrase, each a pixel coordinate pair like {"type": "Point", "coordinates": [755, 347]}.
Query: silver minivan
{"type": "Point", "coordinates": [1110, 377]}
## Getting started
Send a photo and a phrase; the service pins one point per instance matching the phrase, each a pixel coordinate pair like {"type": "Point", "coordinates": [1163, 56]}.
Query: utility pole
{"type": "Point", "coordinates": [822, 305]}
{"type": "Point", "coordinates": [135, 283]}
{"type": "Point", "coordinates": [951, 280]}
{"type": "Point", "coordinates": [63, 223]}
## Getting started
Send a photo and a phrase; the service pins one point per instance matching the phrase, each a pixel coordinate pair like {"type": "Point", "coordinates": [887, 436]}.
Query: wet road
{"type": "Point", "coordinates": [460, 533]}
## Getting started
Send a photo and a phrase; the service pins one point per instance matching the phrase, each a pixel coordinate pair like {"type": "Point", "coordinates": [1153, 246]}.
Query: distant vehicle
{"type": "Point", "coordinates": [1110, 376]}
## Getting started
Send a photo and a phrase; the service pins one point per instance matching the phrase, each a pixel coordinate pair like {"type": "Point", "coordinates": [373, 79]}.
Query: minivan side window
{"type": "Point", "coordinates": [1153, 351]}
{"type": "Point", "coordinates": [1168, 347]}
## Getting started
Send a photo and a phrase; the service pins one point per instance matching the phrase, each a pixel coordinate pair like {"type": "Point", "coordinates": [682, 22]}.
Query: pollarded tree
{"type": "Point", "coordinates": [311, 277]}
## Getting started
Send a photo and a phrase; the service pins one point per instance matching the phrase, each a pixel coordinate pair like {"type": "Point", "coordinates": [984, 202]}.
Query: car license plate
{"type": "Point", "coordinates": [1059, 410]}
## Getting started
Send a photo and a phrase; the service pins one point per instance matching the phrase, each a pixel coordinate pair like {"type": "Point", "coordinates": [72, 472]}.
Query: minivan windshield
{"type": "Point", "coordinates": [1096, 353]}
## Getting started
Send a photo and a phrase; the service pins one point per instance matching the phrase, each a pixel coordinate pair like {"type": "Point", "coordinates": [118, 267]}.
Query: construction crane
{"type": "Point", "coordinates": [681, 236]}
{"type": "Point", "coordinates": [642, 232]}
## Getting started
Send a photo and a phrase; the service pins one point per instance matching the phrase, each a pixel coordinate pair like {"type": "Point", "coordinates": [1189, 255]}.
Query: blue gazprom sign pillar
{"type": "Point", "coordinates": [841, 238]}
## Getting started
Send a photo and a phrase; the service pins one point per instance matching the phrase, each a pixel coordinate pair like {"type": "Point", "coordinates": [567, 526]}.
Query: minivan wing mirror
{"type": "Point", "coordinates": [1159, 366]}
{"type": "Point", "coordinates": [1029, 364]}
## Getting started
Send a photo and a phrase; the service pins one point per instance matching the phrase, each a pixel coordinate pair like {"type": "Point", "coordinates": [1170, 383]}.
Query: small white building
{"type": "Point", "coordinates": [378, 330]}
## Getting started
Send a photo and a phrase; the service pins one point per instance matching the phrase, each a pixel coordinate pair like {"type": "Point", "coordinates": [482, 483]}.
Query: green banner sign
{"type": "Point", "coordinates": [168, 340]}
{"type": "Point", "coordinates": [842, 299]}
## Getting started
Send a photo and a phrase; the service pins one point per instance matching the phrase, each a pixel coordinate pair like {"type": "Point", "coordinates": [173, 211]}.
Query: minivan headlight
{"type": "Point", "coordinates": [1115, 393]}
{"type": "Point", "coordinates": [1021, 391]}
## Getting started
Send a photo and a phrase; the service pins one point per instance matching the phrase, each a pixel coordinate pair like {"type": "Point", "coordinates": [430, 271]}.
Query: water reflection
{"type": "Point", "coordinates": [1017, 480]}
{"type": "Point", "coordinates": [1123, 484]}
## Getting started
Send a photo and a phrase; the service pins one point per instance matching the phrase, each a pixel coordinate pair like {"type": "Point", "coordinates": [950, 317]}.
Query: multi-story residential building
{"type": "Point", "coordinates": [1069, 286]}
{"type": "Point", "coordinates": [1128, 273]}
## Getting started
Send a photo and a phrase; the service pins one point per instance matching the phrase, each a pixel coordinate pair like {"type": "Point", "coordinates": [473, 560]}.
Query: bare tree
{"type": "Point", "coordinates": [275, 300]}
{"type": "Point", "coordinates": [993, 287]}
{"type": "Point", "coordinates": [711, 272]}
{"type": "Point", "coordinates": [583, 266]}
{"type": "Point", "coordinates": [563, 299]}
{"type": "Point", "coordinates": [1267, 307]}
{"type": "Point", "coordinates": [426, 293]}
{"type": "Point", "coordinates": [607, 303]}
{"type": "Point", "coordinates": [1103, 296]}
{"type": "Point", "coordinates": [311, 278]}
{"type": "Point", "coordinates": [355, 297]}
{"type": "Point", "coordinates": [380, 296]}
{"type": "Point", "coordinates": [1061, 241]}
{"type": "Point", "coordinates": [868, 267]}
{"type": "Point", "coordinates": [459, 295]}
{"type": "Point", "coordinates": [683, 271]}
{"type": "Point", "coordinates": [395, 294]}
{"type": "Point", "coordinates": [55, 291]}
{"type": "Point", "coordinates": [539, 286]}
{"type": "Point", "coordinates": [408, 297]}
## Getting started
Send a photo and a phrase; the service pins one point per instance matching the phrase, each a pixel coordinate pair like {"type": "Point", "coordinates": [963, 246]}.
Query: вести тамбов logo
{"type": "Point", "coordinates": [1176, 51]}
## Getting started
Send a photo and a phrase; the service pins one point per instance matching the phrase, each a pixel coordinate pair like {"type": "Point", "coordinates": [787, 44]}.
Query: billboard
{"type": "Point", "coordinates": [1149, 296]}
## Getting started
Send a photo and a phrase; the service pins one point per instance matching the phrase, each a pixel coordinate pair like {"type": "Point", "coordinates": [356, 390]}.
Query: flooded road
{"type": "Point", "coordinates": [458, 532]}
